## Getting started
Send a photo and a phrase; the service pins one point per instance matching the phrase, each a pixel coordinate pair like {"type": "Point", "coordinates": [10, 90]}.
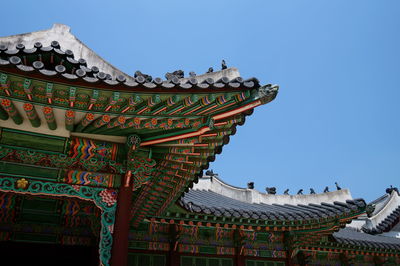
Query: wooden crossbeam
{"type": "Point", "coordinates": [86, 120]}
{"type": "Point", "coordinates": [69, 119]}
{"type": "Point", "coordinates": [32, 114]}
{"type": "Point", "coordinates": [12, 111]}
{"type": "Point", "coordinates": [99, 122]}
{"type": "Point", "coordinates": [49, 117]}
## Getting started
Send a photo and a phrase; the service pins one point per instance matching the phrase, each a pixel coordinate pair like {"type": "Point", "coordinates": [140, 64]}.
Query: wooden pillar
{"type": "Point", "coordinates": [239, 256]}
{"type": "Point", "coordinates": [173, 258]}
{"type": "Point", "coordinates": [119, 254]}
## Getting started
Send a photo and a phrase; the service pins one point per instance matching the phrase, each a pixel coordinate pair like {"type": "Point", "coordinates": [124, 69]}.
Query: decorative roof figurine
{"type": "Point", "coordinates": [271, 190]}
{"type": "Point", "coordinates": [148, 78]}
{"type": "Point", "coordinates": [337, 186]}
{"type": "Point", "coordinates": [326, 189]}
{"type": "Point", "coordinates": [223, 65]}
{"type": "Point", "coordinates": [312, 191]}
{"type": "Point", "coordinates": [250, 185]}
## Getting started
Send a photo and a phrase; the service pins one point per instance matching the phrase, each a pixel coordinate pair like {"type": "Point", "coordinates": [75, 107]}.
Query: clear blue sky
{"type": "Point", "coordinates": [336, 117]}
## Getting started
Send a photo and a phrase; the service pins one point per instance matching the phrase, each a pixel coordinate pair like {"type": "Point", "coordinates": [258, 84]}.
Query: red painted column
{"type": "Point", "coordinates": [119, 253]}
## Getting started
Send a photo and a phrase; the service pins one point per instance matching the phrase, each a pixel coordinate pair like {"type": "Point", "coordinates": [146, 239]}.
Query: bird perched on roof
{"type": "Point", "coordinates": [210, 69]}
{"type": "Point", "coordinates": [286, 192]}
{"type": "Point", "coordinates": [337, 186]}
{"type": "Point", "coordinates": [300, 192]}
{"type": "Point", "coordinates": [326, 189]}
{"type": "Point", "coordinates": [312, 191]}
{"type": "Point", "coordinates": [223, 64]}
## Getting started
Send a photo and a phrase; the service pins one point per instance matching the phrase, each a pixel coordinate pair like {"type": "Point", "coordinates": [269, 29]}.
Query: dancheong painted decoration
{"type": "Point", "coordinates": [98, 167]}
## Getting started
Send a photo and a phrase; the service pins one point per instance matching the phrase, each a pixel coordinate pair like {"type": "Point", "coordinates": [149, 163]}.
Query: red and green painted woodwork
{"type": "Point", "coordinates": [27, 85]}
{"type": "Point", "coordinates": [89, 117]}
{"type": "Point", "coordinates": [69, 120]}
{"type": "Point", "coordinates": [114, 126]}
{"type": "Point", "coordinates": [12, 111]}
{"type": "Point", "coordinates": [99, 122]}
{"type": "Point", "coordinates": [198, 238]}
{"type": "Point", "coordinates": [74, 161]}
{"type": "Point", "coordinates": [67, 221]}
{"type": "Point", "coordinates": [104, 199]}
{"type": "Point", "coordinates": [32, 114]}
{"type": "Point", "coordinates": [179, 161]}
{"type": "Point", "coordinates": [49, 117]}
{"type": "Point", "coordinates": [129, 103]}
{"type": "Point", "coordinates": [3, 114]}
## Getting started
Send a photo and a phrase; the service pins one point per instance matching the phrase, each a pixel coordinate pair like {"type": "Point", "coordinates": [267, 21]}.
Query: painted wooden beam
{"type": "Point", "coordinates": [3, 114]}
{"type": "Point", "coordinates": [99, 122]}
{"type": "Point", "coordinates": [72, 96]}
{"type": "Point", "coordinates": [12, 111]}
{"type": "Point", "coordinates": [113, 126]}
{"type": "Point", "coordinates": [146, 105]}
{"type": "Point", "coordinates": [86, 120]}
{"type": "Point", "coordinates": [93, 99]}
{"type": "Point", "coordinates": [188, 101]}
{"type": "Point", "coordinates": [69, 120]}
{"type": "Point", "coordinates": [49, 116]}
{"type": "Point", "coordinates": [5, 84]}
{"type": "Point", "coordinates": [28, 88]}
{"type": "Point", "coordinates": [49, 93]}
{"type": "Point", "coordinates": [204, 101]}
{"type": "Point", "coordinates": [113, 100]}
{"type": "Point", "coordinates": [32, 114]}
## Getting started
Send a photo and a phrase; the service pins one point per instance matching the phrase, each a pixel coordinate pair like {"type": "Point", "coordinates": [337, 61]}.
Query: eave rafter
{"type": "Point", "coordinates": [184, 126]}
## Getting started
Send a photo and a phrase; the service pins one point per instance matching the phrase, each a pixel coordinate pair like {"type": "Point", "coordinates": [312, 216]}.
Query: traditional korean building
{"type": "Point", "coordinates": [100, 167]}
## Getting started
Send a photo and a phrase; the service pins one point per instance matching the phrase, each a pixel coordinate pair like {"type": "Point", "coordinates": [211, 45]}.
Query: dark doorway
{"type": "Point", "coordinates": [32, 254]}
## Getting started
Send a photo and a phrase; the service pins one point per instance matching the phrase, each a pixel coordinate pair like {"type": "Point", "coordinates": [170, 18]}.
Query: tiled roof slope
{"type": "Point", "coordinates": [386, 214]}
{"type": "Point", "coordinates": [212, 196]}
{"type": "Point", "coordinates": [354, 237]}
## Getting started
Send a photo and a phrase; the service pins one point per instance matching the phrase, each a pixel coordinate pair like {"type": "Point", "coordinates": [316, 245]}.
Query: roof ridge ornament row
{"type": "Point", "coordinates": [216, 185]}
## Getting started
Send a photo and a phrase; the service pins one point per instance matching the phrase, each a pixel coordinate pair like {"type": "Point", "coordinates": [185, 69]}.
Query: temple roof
{"type": "Point", "coordinates": [53, 84]}
{"type": "Point", "coordinates": [213, 196]}
{"type": "Point", "coordinates": [351, 236]}
{"type": "Point", "coordinates": [380, 229]}
{"type": "Point", "coordinates": [57, 54]}
{"type": "Point", "coordinates": [384, 218]}
{"type": "Point", "coordinates": [49, 41]}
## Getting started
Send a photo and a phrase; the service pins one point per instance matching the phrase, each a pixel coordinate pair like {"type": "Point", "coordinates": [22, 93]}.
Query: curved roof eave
{"type": "Point", "coordinates": [62, 34]}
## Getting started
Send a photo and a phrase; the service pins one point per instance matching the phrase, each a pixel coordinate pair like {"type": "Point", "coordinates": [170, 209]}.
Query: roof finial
{"type": "Point", "coordinates": [271, 190]}
{"type": "Point", "coordinates": [148, 78]}
{"type": "Point", "coordinates": [223, 64]}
